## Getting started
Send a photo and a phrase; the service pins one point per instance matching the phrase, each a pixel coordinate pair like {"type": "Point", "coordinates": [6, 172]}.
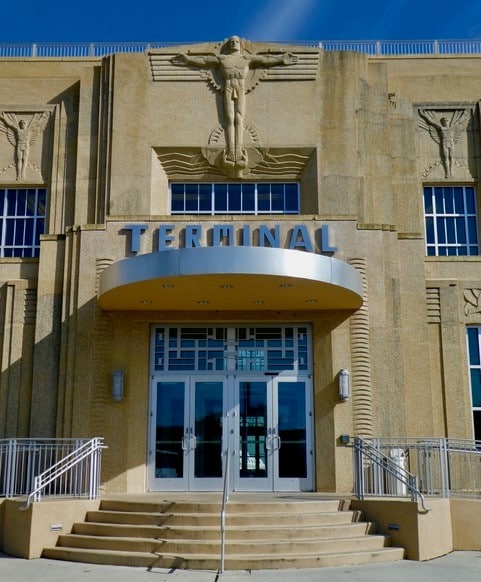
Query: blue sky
{"type": "Point", "coordinates": [201, 20]}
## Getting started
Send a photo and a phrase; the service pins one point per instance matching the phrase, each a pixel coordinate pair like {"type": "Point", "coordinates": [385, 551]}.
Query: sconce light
{"type": "Point", "coordinates": [344, 385]}
{"type": "Point", "coordinates": [118, 385]}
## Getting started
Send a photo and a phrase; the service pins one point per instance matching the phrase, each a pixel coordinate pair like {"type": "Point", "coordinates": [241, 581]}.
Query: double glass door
{"type": "Point", "coordinates": [263, 423]}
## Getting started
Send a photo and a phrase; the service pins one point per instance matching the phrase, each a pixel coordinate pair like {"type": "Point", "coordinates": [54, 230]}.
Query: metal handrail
{"type": "Point", "coordinates": [92, 449]}
{"type": "Point", "coordinates": [371, 47]}
{"type": "Point", "coordinates": [225, 498]}
{"type": "Point", "coordinates": [364, 449]}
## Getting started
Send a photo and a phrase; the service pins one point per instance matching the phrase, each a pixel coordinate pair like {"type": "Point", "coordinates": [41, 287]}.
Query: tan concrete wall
{"type": "Point", "coordinates": [26, 533]}
{"type": "Point", "coordinates": [466, 519]}
{"type": "Point", "coordinates": [423, 535]}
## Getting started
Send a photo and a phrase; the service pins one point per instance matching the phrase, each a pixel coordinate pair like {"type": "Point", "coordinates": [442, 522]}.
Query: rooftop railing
{"type": "Point", "coordinates": [370, 47]}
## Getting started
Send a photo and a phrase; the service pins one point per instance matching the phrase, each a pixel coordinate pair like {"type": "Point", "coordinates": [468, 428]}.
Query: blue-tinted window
{"type": "Point", "coordinates": [451, 223]}
{"type": "Point", "coordinates": [22, 221]}
{"type": "Point", "coordinates": [235, 198]}
{"type": "Point", "coordinates": [474, 357]}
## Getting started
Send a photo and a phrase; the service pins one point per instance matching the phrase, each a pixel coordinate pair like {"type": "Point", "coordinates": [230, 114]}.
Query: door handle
{"type": "Point", "coordinates": [192, 441]}
{"type": "Point", "coordinates": [277, 438]}
{"type": "Point", "coordinates": [268, 443]}
{"type": "Point", "coordinates": [184, 443]}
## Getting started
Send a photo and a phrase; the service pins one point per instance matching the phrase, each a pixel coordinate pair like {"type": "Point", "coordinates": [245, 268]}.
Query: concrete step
{"type": "Point", "coordinates": [212, 547]}
{"type": "Point", "coordinates": [212, 519]}
{"type": "Point", "coordinates": [262, 532]}
{"type": "Point", "coordinates": [273, 507]}
{"type": "Point", "coordinates": [232, 562]}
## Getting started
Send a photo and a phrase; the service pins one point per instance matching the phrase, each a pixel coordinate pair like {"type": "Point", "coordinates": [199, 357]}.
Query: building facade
{"type": "Point", "coordinates": [239, 249]}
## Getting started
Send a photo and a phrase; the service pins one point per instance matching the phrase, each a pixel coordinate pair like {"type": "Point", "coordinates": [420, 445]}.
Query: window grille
{"type": "Point", "coordinates": [450, 221]}
{"type": "Point", "coordinates": [22, 221]}
{"type": "Point", "coordinates": [235, 198]}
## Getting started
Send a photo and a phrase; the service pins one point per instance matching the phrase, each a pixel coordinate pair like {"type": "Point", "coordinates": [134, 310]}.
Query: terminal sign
{"type": "Point", "coordinates": [192, 236]}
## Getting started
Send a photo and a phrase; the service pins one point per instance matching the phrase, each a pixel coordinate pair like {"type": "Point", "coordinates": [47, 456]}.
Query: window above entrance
{"type": "Point", "coordinates": [224, 349]}
{"type": "Point", "coordinates": [235, 198]}
{"type": "Point", "coordinates": [22, 221]}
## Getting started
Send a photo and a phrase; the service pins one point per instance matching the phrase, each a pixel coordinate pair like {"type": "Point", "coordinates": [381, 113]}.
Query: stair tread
{"type": "Point", "coordinates": [260, 542]}
{"type": "Point", "coordinates": [60, 549]}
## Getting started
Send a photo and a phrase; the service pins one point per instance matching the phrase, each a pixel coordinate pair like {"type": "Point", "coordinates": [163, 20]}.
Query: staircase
{"type": "Point", "coordinates": [261, 534]}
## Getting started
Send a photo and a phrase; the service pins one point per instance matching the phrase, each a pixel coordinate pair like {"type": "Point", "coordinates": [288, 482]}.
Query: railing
{"type": "Point", "coordinates": [371, 47]}
{"type": "Point", "coordinates": [50, 467]}
{"type": "Point", "coordinates": [225, 498]}
{"type": "Point", "coordinates": [441, 467]}
{"type": "Point", "coordinates": [377, 475]}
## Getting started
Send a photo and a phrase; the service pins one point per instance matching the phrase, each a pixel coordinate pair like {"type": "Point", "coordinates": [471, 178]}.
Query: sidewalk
{"type": "Point", "coordinates": [458, 566]}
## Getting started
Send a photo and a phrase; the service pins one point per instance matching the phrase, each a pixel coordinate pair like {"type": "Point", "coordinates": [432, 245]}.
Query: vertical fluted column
{"type": "Point", "coordinates": [361, 361]}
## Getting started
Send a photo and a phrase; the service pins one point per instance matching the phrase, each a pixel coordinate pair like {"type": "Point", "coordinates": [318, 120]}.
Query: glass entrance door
{"type": "Point", "coordinates": [274, 435]}
{"type": "Point", "coordinates": [265, 423]}
{"type": "Point", "coordinates": [186, 434]}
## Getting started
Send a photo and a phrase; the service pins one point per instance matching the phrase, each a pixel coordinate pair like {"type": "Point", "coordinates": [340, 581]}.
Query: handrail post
{"type": "Point", "coordinates": [225, 498]}
{"type": "Point", "coordinates": [10, 476]}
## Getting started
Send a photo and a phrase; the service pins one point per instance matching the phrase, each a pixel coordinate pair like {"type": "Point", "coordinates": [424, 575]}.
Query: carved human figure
{"type": "Point", "coordinates": [446, 133]}
{"type": "Point", "coordinates": [234, 65]}
{"type": "Point", "coordinates": [22, 135]}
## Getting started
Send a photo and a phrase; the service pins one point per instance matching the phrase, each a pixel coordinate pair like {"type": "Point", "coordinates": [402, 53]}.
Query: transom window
{"type": "Point", "coordinates": [450, 221]}
{"type": "Point", "coordinates": [22, 221]}
{"type": "Point", "coordinates": [235, 198]}
{"type": "Point", "coordinates": [221, 349]}
{"type": "Point", "coordinates": [474, 350]}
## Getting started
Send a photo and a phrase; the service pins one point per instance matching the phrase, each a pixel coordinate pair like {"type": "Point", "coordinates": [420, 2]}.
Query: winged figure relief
{"type": "Point", "coordinates": [445, 132]}
{"type": "Point", "coordinates": [22, 134]}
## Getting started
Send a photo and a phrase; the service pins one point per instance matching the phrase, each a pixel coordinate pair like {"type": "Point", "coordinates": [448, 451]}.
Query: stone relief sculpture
{"type": "Point", "coordinates": [472, 301]}
{"type": "Point", "coordinates": [234, 65]}
{"type": "Point", "coordinates": [445, 132]}
{"type": "Point", "coordinates": [21, 135]}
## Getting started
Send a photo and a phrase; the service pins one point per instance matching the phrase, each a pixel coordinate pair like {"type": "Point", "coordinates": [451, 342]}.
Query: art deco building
{"type": "Point", "coordinates": [201, 244]}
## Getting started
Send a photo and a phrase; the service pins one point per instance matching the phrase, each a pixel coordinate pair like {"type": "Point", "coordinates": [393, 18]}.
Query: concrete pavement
{"type": "Point", "coordinates": [458, 566]}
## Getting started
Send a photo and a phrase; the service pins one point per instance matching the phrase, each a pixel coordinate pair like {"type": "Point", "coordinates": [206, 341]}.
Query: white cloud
{"type": "Point", "coordinates": [281, 20]}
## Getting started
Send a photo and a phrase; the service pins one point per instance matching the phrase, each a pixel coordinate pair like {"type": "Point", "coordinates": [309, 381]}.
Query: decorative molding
{"type": "Point", "coordinates": [30, 306]}
{"type": "Point", "coordinates": [433, 303]}
{"type": "Point", "coordinates": [445, 128]}
{"type": "Point", "coordinates": [361, 361]}
{"type": "Point", "coordinates": [472, 302]}
{"type": "Point", "coordinates": [22, 129]}
{"type": "Point", "coordinates": [197, 163]}
{"type": "Point", "coordinates": [233, 68]}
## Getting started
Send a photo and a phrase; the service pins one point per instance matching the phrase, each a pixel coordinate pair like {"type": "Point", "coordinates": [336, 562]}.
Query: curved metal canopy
{"type": "Point", "coordinates": [230, 278]}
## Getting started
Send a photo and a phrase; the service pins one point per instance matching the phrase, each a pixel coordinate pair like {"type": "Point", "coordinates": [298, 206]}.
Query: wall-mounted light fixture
{"type": "Point", "coordinates": [118, 385]}
{"type": "Point", "coordinates": [344, 385]}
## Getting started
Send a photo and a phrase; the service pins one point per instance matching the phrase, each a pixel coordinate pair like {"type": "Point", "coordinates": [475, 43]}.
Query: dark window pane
{"type": "Point", "coordinates": [458, 200]}
{"type": "Point", "coordinates": [235, 197]}
{"type": "Point", "coordinates": [439, 199]}
{"type": "Point", "coordinates": [177, 202]}
{"type": "Point", "coordinates": [448, 200]}
{"type": "Point", "coordinates": [476, 387]}
{"type": "Point", "coordinates": [461, 230]}
{"type": "Point", "coordinates": [292, 198]}
{"type": "Point", "coordinates": [205, 197]}
{"type": "Point", "coordinates": [191, 197]}
{"type": "Point", "coordinates": [220, 200]}
{"type": "Point", "coordinates": [440, 229]}
{"type": "Point", "coordinates": [470, 201]}
{"type": "Point", "coordinates": [430, 230]}
{"type": "Point", "coordinates": [428, 200]}
{"type": "Point", "coordinates": [477, 424]}
{"type": "Point", "coordinates": [451, 233]}
{"type": "Point", "coordinates": [473, 345]}
{"type": "Point", "coordinates": [248, 198]}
